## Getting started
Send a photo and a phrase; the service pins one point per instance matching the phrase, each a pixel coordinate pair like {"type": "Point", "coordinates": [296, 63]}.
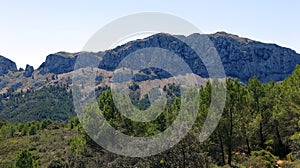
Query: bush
{"type": "Point", "coordinates": [58, 163]}
{"type": "Point", "coordinates": [24, 130]}
{"type": "Point", "coordinates": [261, 159]}
{"type": "Point", "coordinates": [25, 159]}
{"type": "Point", "coordinates": [46, 124]}
{"type": "Point", "coordinates": [74, 122]}
{"type": "Point", "coordinates": [77, 145]}
{"type": "Point", "coordinates": [32, 130]}
{"type": "Point", "coordinates": [42, 150]}
{"type": "Point", "coordinates": [295, 146]}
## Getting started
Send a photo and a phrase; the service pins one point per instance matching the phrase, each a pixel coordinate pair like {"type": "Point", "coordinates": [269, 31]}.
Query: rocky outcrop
{"type": "Point", "coordinates": [58, 63]}
{"type": "Point", "coordinates": [28, 71]}
{"type": "Point", "coordinates": [165, 42]}
{"type": "Point", "coordinates": [242, 58]}
{"type": "Point", "coordinates": [6, 65]}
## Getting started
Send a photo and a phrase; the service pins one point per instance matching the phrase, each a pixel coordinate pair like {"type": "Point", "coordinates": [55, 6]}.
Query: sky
{"type": "Point", "coordinates": [32, 29]}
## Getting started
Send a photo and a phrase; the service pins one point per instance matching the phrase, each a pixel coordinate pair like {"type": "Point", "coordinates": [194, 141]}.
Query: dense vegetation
{"type": "Point", "coordinates": [53, 102]}
{"type": "Point", "coordinates": [260, 125]}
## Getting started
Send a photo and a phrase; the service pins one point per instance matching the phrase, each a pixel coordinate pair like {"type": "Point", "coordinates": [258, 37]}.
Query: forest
{"type": "Point", "coordinates": [259, 127]}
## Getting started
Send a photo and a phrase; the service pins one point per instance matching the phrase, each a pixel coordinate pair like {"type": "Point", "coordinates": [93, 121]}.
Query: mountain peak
{"type": "Point", "coordinates": [6, 65]}
{"type": "Point", "coordinates": [64, 54]}
{"type": "Point", "coordinates": [232, 36]}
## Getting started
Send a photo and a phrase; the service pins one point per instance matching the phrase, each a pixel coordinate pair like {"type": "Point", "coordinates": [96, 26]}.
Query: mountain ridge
{"type": "Point", "coordinates": [242, 58]}
{"type": "Point", "coordinates": [216, 34]}
{"type": "Point", "coordinates": [6, 65]}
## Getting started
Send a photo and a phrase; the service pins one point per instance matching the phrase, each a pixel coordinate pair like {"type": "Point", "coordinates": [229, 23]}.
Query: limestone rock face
{"type": "Point", "coordinates": [242, 58]}
{"type": "Point", "coordinates": [6, 65]}
{"type": "Point", "coordinates": [58, 63]}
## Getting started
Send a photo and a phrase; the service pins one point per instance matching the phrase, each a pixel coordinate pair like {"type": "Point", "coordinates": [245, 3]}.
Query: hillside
{"type": "Point", "coordinates": [29, 94]}
{"type": "Point", "coordinates": [259, 128]}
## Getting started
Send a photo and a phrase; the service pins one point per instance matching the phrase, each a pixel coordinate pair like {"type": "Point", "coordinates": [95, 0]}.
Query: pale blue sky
{"type": "Point", "coordinates": [32, 29]}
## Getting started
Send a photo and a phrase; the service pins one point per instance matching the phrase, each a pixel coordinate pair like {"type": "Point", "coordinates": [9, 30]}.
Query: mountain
{"type": "Point", "coordinates": [269, 131]}
{"type": "Point", "coordinates": [42, 88]}
{"type": "Point", "coordinates": [242, 58]}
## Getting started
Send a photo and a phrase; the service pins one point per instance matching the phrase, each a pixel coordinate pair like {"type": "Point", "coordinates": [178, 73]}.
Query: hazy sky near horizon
{"type": "Point", "coordinates": [32, 29]}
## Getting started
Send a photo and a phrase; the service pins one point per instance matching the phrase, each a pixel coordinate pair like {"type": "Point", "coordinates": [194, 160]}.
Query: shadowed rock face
{"type": "Point", "coordinates": [242, 58]}
{"type": "Point", "coordinates": [6, 65]}
{"type": "Point", "coordinates": [28, 71]}
{"type": "Point", "coordinates": [58, 63]}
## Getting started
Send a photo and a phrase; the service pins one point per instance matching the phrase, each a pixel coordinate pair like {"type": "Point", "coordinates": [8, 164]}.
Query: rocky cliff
{"type": "Point", "coordinates": [6, 65]}
{"type": "Point", "coordinates": [28, 71]}
{"type": "Point", "coordinates": [58, 63]}
{"type": "Point", "coordinates": [242, 58]}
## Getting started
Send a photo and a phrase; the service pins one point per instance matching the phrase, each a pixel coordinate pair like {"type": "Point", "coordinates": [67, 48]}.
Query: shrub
{"type": "Point", "coordinates": [32, 130]}
{"type": "Point", "coordinates": [58, 163]}
{"type": "Point", "coordinates": [25, 159]}
{"type": "Point", "coordinates": [261, 159]}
